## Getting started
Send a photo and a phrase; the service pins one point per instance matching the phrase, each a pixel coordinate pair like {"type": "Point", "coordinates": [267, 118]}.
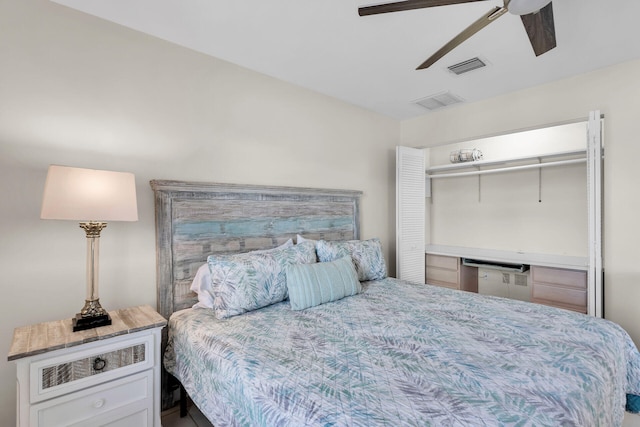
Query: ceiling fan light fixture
{"type": "Point", "coordinates": [526, 7]}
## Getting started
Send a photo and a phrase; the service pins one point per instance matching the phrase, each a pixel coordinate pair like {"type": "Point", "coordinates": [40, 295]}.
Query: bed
{"type": "Point", "coordinates": [390, 353]}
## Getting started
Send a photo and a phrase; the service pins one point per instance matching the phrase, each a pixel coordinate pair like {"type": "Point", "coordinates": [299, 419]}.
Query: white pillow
{"type": "Point", "coordinates": [201, 284]}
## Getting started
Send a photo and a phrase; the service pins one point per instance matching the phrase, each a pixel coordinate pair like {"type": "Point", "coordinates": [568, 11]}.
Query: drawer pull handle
{"type": "Point", "coordinates": [99, 364]}
{"type": "Point", "coordinates": [98, 404]}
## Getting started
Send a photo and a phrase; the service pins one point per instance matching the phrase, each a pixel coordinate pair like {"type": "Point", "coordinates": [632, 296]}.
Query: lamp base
{"type": "Point", "coordinates": [83, 323]}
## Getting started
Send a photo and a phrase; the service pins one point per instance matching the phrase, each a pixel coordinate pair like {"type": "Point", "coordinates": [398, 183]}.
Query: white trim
{"type": "Point", "coordinates": [594, 186]}
{"type": "Point", "coordinates": [509, 168]}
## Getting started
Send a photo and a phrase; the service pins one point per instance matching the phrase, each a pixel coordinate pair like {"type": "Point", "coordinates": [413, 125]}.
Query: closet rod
{"type": "Point", "coordinates": [509, 168]}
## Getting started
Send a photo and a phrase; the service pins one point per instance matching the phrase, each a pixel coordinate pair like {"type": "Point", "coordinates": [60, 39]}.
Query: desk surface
{"type": "Point", "coordinates": [544, 260]}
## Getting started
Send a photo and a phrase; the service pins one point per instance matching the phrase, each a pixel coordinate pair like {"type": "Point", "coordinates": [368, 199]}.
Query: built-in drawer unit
{"type": "Point", "coordinates": [559, 287]}
{"type": "Point", "coordinates": [449, 272]}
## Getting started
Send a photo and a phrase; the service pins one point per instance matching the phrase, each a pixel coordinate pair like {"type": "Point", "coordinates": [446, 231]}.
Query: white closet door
{"type": "Point", "coordinates": [410, 214]}
{"type": "Point", "coordinates": [594, 179]}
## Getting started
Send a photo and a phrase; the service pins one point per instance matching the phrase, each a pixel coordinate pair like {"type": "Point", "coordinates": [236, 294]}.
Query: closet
{"type": "Point", "coordinates": [532, 198]}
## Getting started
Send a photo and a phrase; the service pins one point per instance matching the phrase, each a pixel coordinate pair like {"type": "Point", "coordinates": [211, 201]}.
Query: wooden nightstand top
{"type": "Point", "coordinates": [43, 337]}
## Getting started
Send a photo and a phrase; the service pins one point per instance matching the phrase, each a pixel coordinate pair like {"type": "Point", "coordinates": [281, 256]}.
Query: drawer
{"type": "Point", "coordinates": [571, 278]}
{"type": "Point", "coordinates": [562, 296]}
{"type": "Point", "coordinates": [73, 371]}
{"type": "Point", "coordinates": [130, 416]}
{"type": "Point", "coordinates": [116, 399]}
{"type": "Point", "coordinates": [441, 261]}
{"type": "Point", "coordinates": [440, 276]}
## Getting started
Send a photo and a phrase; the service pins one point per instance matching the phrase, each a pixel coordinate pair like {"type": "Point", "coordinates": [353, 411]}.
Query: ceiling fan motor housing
{"type": "Point", "coordinates": [525, 7]}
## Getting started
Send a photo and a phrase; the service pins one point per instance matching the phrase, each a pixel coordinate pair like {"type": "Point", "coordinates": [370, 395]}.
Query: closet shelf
{"type": "Point", "coordinates": [544, 160]}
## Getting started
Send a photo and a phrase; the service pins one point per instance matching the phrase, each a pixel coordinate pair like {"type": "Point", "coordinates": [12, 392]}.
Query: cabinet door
{"type": "Point", "coordinates": [410, 214]}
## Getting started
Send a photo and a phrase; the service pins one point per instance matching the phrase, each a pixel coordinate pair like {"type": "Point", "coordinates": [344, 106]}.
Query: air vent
{"type": "Point", "coordinates": [521, 280]}
{"type": "Point", "coordinates": [466, 66]}
{"type": "Point", "coordinates": [439, 100]}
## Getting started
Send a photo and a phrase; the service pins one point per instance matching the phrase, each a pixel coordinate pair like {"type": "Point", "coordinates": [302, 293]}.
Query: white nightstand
{"type": "Point", "coordinates": [103, 376]}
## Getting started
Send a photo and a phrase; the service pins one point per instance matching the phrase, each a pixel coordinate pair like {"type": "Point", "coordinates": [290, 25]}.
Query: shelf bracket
{"type": "Point", "coordinates": [539, 181]}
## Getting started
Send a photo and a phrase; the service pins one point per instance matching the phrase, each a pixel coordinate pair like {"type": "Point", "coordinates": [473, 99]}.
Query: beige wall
{"type": "Point", "coordinates": [616, 92]}
{"type": "Point", "coordinates": [517, 211]}
{"type": "Point", "coordinates": [78, 91]}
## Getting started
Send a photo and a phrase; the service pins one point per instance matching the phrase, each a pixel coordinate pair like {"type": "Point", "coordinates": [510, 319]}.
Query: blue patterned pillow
{"type": "Point", "coordinates": [201, 284]}
{"type": "Point", "coordinates": [314, 284]}
{"type": "Point", "coordinates": [246, 282]}
{"type": "Point", "coordinates": [300, 239]}
{"type": "Point", "coordinates": [366, 256]}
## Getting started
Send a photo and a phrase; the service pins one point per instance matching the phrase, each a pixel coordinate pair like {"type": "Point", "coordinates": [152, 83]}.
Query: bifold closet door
{"type": "Point", "coordinates": [410, 214]}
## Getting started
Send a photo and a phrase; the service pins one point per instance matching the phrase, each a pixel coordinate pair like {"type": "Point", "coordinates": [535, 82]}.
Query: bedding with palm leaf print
{"type": "Point", "coordinates": [404, 354]}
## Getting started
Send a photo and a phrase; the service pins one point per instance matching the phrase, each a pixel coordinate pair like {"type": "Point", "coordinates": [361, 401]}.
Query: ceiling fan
{"type": "Point", "coordinates": [536, 15]}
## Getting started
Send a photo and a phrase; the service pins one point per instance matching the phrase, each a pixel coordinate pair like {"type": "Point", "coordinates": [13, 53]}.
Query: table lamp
{"type": "Point", "coordinates": [92, 197]}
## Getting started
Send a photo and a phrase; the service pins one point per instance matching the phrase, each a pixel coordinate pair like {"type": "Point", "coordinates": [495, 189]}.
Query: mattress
{"type": "Point", "coordinates": [405, 354]}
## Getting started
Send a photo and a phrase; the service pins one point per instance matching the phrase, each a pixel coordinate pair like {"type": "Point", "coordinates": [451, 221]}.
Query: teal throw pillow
{"type": "Point", "coordinates": [310, 285]}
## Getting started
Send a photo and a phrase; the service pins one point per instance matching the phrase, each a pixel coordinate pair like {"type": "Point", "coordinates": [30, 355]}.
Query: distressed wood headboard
{"type": "Point", "coordinates": [194, 220]}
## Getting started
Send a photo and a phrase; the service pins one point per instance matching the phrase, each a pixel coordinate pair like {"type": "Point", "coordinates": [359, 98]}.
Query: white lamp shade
{"type": "Point", "coordinates": [89, 195]}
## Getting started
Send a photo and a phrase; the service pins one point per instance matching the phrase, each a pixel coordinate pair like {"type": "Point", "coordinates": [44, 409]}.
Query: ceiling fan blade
{"type": "Point", "coordinates": [464, 35]}
{"type": "Point", "coordinates": [406, 5]}
{"type": "Point", "coordinates": [541, 29]}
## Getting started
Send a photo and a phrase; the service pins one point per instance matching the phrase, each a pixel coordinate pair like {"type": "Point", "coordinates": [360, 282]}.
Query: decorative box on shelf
{"type": "Point", "coordinates": [102, 376]}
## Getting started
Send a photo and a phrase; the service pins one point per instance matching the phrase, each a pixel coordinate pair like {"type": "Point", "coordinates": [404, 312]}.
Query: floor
{"type": "Point", "coordinates": [194, 418]}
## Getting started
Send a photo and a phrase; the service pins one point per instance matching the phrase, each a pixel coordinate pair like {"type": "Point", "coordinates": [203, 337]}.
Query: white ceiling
{"type": "Point", "coordinates": [370, 61]}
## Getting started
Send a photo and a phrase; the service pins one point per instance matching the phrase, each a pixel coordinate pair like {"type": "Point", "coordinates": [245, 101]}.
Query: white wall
{"type": "Point", "coordinates": [616, 92]}
{"type": "Point", "coordinates": [503, 211]}
{"type": "Point", "coordinates": [518, 211]}
{"type": "Point", "coordinates": [78, 91]}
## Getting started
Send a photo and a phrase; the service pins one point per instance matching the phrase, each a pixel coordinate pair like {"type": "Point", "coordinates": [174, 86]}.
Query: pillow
{"type": "Point", "coordinates": [286, 244]}
{"type": "Point", "coordinates": [366, 256]}
{"type": "Point", "coordinates": [246, 282]}
{"type": "Point", "coordinates": [310, 285]}
{"type": "Point", "coordinates": [300, 239]}
{"type": "Point", "coordinates": [201, 284]}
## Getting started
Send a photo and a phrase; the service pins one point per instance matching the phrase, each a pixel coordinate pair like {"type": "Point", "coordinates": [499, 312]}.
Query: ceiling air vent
{"type": "Point", "coordinates": [466, 66]}
{"type": "Point", "coordinates": [439, 100]}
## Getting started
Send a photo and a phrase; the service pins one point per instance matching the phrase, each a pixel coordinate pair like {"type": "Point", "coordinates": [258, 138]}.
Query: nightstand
{"type": "Point", "coordinates": [103, 376]}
